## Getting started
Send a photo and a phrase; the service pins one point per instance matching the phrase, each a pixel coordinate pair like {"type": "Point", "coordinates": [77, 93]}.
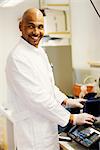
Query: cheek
{"type": "Point", "coordinates": [42, 33]}
{"type": "Point", "coordinates": [27, 31]}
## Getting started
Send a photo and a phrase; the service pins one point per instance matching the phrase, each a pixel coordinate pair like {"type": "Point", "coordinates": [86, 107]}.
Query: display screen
{"type": "Point", "coordinates": [85, 135]}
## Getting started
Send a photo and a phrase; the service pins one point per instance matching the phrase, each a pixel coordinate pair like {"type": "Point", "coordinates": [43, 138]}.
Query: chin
{"type": "Point", "coordinates": [35, 45]}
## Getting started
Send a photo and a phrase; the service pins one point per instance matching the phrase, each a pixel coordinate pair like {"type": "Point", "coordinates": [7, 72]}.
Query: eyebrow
{"type": "Point", "coordinates": [31, 23]}
{"type": "Point", "coordinates": [36, 25]}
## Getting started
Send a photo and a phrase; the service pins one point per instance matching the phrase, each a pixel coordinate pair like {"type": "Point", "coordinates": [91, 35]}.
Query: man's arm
{"type": "Point", "coordinates": [68, 102]}
{"type": "Point", "coordinates": [79, 119]}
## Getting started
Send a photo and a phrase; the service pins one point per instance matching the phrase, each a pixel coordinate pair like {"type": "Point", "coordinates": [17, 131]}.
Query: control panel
{"type": "Point", "coordinates": [86, 136]}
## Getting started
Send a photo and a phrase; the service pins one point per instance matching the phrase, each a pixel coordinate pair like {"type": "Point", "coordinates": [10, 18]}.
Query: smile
{"type": "Point", "coordinates": [35, 38]}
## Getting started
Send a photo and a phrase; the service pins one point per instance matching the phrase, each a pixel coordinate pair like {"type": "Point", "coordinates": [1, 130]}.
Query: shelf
{"type": "Point", "coordinates": [57, 22]}
{"type": "Point", "coordinates": [57, 5]}
{"type": "Point", "coordinates": [56, 39]}
{"type": "Point", "coordinates": [52, 3]}
{"type": "Point", "coordinates": [62, 42]}
{"type": "Point", "coordinates": [65, 32]}
{"type": "Point", "coordinates": [95, 64]}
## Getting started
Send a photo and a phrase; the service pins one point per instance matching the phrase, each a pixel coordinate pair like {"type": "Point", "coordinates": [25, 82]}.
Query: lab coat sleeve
{"type": "Point", "coordinates": [60, 97]}
{"type": "Point", "coordinates": [25, 83]}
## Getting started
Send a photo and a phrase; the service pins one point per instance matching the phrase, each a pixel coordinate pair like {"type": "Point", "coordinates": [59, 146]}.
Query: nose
{"type": "Point", "coordinates": [35, 31]}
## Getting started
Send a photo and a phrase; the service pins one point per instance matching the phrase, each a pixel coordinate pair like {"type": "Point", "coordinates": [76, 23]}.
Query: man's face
{"type": "Point", "coordinates": [32, 28]}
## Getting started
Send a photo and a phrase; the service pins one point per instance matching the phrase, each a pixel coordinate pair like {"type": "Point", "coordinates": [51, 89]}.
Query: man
{"type": "Point", "coordinates": [34, 100]}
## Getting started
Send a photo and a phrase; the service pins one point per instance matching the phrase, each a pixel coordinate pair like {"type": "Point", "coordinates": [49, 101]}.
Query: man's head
{"type": "Point", "coordinates": [32, 26]}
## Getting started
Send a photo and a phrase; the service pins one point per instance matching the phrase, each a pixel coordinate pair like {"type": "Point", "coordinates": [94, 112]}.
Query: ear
{"type": "Point", "coordinates": [20, 25]}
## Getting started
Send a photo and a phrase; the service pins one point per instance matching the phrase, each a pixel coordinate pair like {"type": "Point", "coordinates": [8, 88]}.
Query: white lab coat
{"type": "Point", "coordinates": [33, 99]}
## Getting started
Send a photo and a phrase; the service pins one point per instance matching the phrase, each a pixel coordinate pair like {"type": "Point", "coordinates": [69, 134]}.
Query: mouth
{"type": "Point", "coordinates": [35, 38]}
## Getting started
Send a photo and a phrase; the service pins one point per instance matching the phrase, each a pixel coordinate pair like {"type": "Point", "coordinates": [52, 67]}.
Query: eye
{"type": "Point", "coordinates": [41, 27]}
{"type": "Point", "coordinates": [30, 26]}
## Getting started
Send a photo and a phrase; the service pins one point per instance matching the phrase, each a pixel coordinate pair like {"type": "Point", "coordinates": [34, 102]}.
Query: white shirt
{"type": "Point", "coordinates": [33, 98]}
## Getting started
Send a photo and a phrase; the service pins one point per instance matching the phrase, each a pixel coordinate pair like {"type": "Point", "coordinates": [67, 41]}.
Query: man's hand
{"type": "Point", "coordinates": [83, 118]}
{"type": "Point", "coordinates": [73, 103]}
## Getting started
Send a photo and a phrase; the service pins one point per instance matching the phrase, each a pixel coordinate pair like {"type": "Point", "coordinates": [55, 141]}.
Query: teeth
{"type": "Point", "coordinates": [35, 38]}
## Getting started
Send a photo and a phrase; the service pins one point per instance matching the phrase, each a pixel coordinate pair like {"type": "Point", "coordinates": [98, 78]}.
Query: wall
{"type": "Point", "coordinates": [61, 59]}
{"type": "Point", "coordinates": [9, 34]}
{"type": "Point", "coordinates": [85, 25]}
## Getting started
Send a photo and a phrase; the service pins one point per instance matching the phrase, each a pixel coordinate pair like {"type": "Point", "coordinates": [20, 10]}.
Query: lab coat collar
{"type": "Point", "coordinates": [31, 47]}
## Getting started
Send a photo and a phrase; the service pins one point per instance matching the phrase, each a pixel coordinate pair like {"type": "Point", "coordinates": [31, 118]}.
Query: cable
{"type": "Point", "coordinates": [95, 8]}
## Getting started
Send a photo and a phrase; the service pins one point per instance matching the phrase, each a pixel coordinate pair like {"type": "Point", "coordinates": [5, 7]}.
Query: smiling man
{"type": "Point", "coordinates": [32, 26]}
{"type": "Point", "coordinates": [33, 98]}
